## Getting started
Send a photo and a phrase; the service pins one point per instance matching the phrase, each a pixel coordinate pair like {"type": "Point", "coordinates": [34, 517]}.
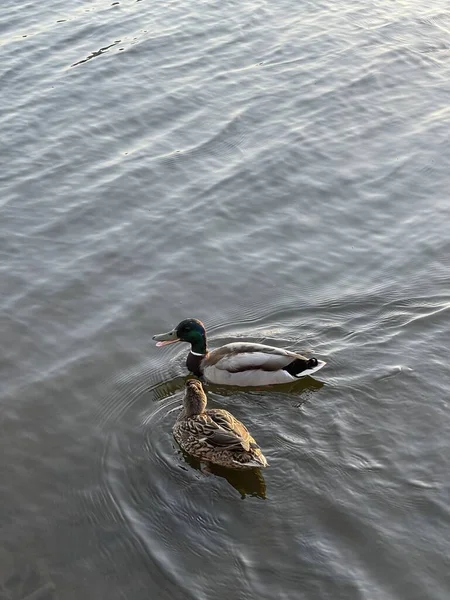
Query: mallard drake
{"type": "Point", "coordinates": [238, 363]}
{"type": "Point", "coordinates": [214, 435]}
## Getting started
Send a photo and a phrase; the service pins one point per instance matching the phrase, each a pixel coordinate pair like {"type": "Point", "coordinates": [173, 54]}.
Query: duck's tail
{"type": "Point", "coordinates": [257, 460]}
{"type": "Point", "coordinates": [300, 367]}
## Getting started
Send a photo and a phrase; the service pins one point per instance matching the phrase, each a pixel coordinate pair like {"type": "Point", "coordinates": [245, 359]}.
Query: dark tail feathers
{"type": "Point", "coordinates": [299, 365]}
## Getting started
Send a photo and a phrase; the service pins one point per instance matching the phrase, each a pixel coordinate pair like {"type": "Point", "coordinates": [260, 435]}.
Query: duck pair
{"type": "Point", "coordinates": [214, 435]}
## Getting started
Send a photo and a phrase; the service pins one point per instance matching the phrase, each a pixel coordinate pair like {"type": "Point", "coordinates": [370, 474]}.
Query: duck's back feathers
{"type": "Point", "coordinates": [217, 436]}
{"type": "Point", "coordinates": [230, 432]}
{"type": "Point", "coordinates": [217, 428]}
{"type": "Point", "coordinates": [247, 364]}
{"type": "Point", "coordinates": [240, 356]}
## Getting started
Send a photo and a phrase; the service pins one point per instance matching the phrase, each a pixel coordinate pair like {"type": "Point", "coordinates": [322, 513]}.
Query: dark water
{"type": "Point", "coordinates": [281, 171]}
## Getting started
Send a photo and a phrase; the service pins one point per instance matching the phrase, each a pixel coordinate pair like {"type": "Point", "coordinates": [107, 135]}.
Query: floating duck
{"type": "Point", "coordinates": [214, 435]}
{"type": "Point", "coordinates": [238, 363]}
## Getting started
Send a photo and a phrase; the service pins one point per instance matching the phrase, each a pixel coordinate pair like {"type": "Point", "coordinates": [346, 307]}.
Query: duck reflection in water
{"type": "Point", "coordinates": [247, 483]}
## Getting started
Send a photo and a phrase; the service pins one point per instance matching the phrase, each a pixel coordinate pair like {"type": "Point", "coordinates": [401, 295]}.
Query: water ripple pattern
{"type": "Point", "coordinates": [280, 171]}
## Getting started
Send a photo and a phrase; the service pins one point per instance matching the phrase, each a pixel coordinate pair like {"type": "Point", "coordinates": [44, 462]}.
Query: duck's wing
{"type": "Point", "coordinates": [241, 356]}
{"type": "Point", "coordinates": [225, 431]}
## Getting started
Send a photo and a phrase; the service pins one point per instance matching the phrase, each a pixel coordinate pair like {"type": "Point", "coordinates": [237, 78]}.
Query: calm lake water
{"type": "Point", "coordinates": [280, 171]}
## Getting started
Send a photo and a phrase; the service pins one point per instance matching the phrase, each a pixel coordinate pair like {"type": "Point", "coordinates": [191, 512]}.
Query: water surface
{"type": "Point", "coordinates": [280, 171]}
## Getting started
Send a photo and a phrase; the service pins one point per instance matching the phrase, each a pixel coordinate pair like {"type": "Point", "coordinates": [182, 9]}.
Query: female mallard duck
{"type": "Point", "coordinates": [239, 363]}
{"type": "Point", "coordinates": [214, 435]}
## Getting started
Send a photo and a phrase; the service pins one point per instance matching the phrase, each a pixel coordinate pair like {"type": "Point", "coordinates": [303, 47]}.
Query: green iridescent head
{"type": "Point", "coordinates": [191, 331]}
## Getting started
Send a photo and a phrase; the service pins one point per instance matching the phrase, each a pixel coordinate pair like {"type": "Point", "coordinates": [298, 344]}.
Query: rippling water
{"type": "Point", "coordinates": [280, 171]}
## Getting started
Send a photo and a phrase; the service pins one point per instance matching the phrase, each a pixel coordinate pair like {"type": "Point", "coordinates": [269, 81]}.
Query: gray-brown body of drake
{"type": "Point", "coordinates": [214, 435]}
{"type": "Point", "coordinates": [238, 363]}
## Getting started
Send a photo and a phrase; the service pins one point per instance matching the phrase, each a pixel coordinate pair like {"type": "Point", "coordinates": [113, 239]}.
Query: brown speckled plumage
{"type": "Point", "coordinates": [214, 435]}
